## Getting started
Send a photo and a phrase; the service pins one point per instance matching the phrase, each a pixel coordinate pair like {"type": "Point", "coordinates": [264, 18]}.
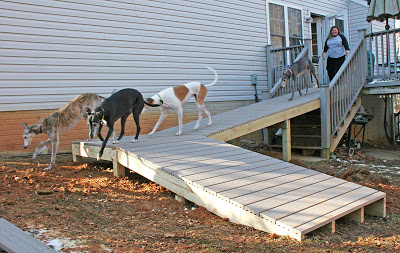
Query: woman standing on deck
{"type": "Point", "coordinates": [336, 47]}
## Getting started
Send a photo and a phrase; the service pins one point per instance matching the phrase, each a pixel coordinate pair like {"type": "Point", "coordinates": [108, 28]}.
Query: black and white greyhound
{"type": "Point", "coordinates": [119, 105]}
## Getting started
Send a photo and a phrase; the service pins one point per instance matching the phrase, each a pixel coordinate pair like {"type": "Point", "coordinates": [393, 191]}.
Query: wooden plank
{"type": "Point", "coordinates": [258, 124]}
{"type": "Point", "coordinates": [215, 167]}
{"type": "Point", "coordinates": [233, 167]}
{"type": "Point", "coordinates": [13, 239]}
{"type": "Point", "coordinates": [330, 189]}
{"type": "Point", "coordinates": [245, 178]}
{"type": "Point", "coordinates": [339, 212]}
{"type": "Point", "coordinates": [199, 159]}
{"type": "Point", "coordinates": [340, 199]}
{"type": "Point", "coordinates": [271, 178]}
{"type": "Point", "coordinates": [276, 187]}
{"type": "Point", "coordinates": [191, 150]}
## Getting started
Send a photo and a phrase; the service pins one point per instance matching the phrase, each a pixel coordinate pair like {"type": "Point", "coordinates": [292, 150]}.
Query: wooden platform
{"type": "Point", "coordinates": [13, 239]}
{"type": "Point", "coordinates": [235, 183]}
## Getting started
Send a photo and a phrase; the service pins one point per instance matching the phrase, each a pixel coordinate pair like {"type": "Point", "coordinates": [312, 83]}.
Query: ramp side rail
{"type": "Point", "coordinates": [342, 92]}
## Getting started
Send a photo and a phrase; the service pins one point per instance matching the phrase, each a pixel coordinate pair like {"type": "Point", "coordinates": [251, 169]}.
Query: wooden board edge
{"type": "Point", "coordinates": [305, 229]}
{"type": "Point", "coordinates": [264, 122]}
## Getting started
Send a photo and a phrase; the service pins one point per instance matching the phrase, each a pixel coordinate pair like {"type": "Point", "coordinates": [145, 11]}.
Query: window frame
{"type": "Point", "coordinates": [286, 20]}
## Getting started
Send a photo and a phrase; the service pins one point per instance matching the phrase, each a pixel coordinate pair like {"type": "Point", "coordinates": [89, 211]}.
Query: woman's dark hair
{"type": "Point", "coordinates": [330, 36]}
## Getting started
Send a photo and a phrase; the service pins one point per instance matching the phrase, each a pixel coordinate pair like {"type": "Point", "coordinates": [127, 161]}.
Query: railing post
{"type": "Point", "coordinates": [308, 45]}
{"type": "Point", "coordinates": [325, 121]}
{"type": "Point", "coordinates": [270, 71]}
{"type": "Point", "coordinates": [361, 35]}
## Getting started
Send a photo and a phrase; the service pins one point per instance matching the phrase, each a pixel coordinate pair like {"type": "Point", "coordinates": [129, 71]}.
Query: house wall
{"type": "Point", "coordinates": [52, 51]}
{"type": "Point", "coordinates": [358, 11]}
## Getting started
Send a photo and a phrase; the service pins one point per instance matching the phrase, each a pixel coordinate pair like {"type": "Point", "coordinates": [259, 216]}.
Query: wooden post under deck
{"type": "Point", "coordinates": [286, 141]}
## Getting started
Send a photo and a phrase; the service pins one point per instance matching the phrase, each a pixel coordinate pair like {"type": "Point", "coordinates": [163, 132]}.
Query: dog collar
{"type": "Point", "coordinates": [291, 72]}
{"type": "Point", "coordinates": [161, 102]}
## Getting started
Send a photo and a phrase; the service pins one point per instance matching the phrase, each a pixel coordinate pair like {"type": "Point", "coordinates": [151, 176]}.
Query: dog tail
{"type": "Point", "coordinates": [216, 77]}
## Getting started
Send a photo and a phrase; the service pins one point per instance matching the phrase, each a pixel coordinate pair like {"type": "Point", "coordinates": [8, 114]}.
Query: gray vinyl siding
{"type": "Point", "coordinates": [357, 20]}
{"type": "Point", "coordinates": [52, 51]}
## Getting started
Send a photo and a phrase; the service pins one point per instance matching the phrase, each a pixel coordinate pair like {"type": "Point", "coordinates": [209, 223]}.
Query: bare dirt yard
{"type": "Point", "coordinates": [84, 208]}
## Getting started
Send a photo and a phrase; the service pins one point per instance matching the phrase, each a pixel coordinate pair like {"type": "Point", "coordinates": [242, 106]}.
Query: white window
{"type": "Point", "coordinates": [285, 25]}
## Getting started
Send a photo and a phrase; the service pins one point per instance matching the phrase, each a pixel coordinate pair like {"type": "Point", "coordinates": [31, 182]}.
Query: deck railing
{"type": "Point", "coordinates": [337, 98]}
{"type": "Point", "coordinates": [397, 127]}
{"type": "Point", "coordinates": [278, 62]}
{"type": "Point", "coordinates": [382, 54]}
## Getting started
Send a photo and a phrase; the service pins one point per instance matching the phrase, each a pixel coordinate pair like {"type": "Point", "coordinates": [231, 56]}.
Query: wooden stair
{"type": "Point", "coordinates": [306, 131]}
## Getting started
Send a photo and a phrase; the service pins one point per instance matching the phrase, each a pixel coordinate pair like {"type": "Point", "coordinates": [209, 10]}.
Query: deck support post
{"type": "Point", "coordinates": [377, 208]}
{"type": "Point", "coordinates": [76, 158]}
{"type": "Point", "coordinates": [286, 141]}
{"type": "Point", "coordinates": [236, 141]}
{"type": "Point", "coordinates": [357, 216]}
{"type": "Point", "coordinates": [118, 169]}
{"type": "Point", "coordinates": [325, 121]}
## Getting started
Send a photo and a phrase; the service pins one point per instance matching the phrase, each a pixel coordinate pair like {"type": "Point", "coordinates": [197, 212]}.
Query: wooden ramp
{"type": "Point", "coordinates": [235, 183]}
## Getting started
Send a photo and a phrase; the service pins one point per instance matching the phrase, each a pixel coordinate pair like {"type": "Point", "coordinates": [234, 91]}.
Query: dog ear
{"type": "Point", "coordinates": [149, 100]}
{"type": "Point", "coordinates": [87, 113]}
{"type": "Point", "coordinates": [24, 125]}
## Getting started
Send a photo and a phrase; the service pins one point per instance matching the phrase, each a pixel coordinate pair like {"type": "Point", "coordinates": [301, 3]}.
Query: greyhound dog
{"type": "Point", "coordinates": [176, 97]}
{"type": "Point", "coordinates": [299, 68]}
{"type": "Point", "coordinates": [119, 105]}
{"type": "Point", "coordinates": [60, 122]}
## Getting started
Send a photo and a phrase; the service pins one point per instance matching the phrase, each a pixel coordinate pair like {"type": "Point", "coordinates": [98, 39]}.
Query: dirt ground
{"type": "Point", "coordinates": [83, 208]}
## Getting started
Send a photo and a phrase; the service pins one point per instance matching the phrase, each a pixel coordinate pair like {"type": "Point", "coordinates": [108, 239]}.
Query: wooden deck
{"type": "Point", "coordinates": [235, 183]}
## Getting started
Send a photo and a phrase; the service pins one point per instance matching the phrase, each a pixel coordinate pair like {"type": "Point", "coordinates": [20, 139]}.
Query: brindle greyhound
{"type": "Point", "coordinates": [60, 122]}
{"type": "Point", "coordinates": [302, 67]}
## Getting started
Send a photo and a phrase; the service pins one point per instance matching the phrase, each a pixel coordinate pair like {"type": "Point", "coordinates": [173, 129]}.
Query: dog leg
{"type": "Point", "coordinates": [315, 76]}
{"type": "Point", "coordinates": [200, 113]}
{"type": "Point", "coordinates": [200, 109]}
{"type": "Point", "coordinates": [99, 132]}
{"type": "Point", "coordinates": [164, 113]}
{"type": "Point", "coordinates": [39, 147]}
{"type": "Point", "coordinates": [110, 130]}
{"type": "Point", "coordinates": [55, 142]}
{"type": "Point", "coordinates": [180, 112]}
{"type": "Point", "coordinates": [306, 82]}
{"type": "Point", "coordinates": [293, 89]}
{"type": "Point", "coordinates": [136, 115]}
{"type": "Point", "coordinates": [123, 121]}
{"type": "Point", "coordinates": [298, 87]}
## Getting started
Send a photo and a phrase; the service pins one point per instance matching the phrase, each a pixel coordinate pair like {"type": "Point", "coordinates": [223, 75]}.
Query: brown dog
{"type": "Point", "coordinates": [60, 122]}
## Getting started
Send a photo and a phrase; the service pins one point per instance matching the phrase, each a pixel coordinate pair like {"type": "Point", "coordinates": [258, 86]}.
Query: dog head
{"type": "Point", "coordinates": [30, 132]}
{"type": "Point", "coordinates": [286, 76]}
{"type": "Point", "coordinates": [151, 102]}
{"type": "Point", "coordinates": [94, 120]}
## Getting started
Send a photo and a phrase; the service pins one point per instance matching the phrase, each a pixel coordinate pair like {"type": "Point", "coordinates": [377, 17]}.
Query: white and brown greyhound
{"type": "Point", "coordinates": [175, 97]}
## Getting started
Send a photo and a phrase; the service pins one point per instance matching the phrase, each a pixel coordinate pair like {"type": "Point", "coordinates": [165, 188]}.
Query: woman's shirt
{"type": "Point", "coordinates": [336, 46]}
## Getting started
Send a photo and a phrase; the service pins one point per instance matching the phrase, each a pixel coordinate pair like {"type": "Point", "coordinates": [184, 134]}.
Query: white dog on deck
{"type": "Point", "coordinates": [176, 97]}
